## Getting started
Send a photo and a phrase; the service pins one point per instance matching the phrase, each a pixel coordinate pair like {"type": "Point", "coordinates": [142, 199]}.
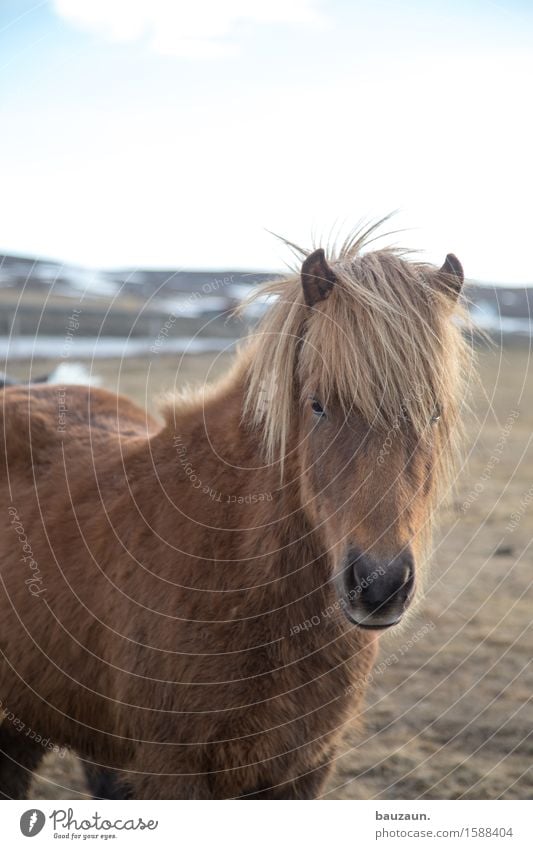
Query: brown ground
{"type": "Point", "coordinates": [449, 713]}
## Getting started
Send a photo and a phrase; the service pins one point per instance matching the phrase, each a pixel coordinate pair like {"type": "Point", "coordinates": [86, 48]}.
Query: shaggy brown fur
{"type": "Point", "coordinates": [167, 602]}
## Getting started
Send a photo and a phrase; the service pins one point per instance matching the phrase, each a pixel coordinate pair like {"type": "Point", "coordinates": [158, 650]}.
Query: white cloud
{"type": "Point", "coordinates": [199, 29]}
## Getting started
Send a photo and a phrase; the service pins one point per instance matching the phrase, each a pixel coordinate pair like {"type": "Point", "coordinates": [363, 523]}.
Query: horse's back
{"type": "Point", "coordinates": [37, 423]}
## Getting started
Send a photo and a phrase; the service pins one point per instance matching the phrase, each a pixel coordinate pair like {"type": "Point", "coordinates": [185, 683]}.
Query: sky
{"type": "Point", "coordinates": [176, 134]}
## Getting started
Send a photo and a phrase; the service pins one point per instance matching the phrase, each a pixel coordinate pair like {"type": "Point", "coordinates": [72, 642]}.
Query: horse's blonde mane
{"type": "Point", "coordinates": [383, 342]}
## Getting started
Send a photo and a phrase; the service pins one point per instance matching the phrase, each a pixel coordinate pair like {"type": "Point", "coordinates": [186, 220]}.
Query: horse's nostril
{"type": "Point", "coordinates": [376, 593]}
{"type": "Point", "coordinates": [409, 573]}
{"type": "Point", "coordinates": [378, 586]}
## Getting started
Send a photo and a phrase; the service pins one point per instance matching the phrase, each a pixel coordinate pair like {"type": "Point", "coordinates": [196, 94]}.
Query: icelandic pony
{"type": "Point", "coordinates": [196, 607]}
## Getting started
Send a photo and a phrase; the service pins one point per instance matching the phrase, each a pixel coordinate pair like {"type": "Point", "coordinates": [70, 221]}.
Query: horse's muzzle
{"type": "Point", "coordinates": [376, 594]}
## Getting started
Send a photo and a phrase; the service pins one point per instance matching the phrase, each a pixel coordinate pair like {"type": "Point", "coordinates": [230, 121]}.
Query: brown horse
{"type": "Point", "coordinates": [196, 607]}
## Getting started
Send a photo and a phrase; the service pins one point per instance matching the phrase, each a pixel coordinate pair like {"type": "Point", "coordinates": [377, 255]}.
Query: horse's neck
{"type": "Point", "coordinates": [248, 523]}
{"type": "Point", "coordinates": [242, 491]}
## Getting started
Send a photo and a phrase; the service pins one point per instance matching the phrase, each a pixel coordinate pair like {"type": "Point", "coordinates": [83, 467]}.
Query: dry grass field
{"type": "Point", "coordinates": [449, 712]}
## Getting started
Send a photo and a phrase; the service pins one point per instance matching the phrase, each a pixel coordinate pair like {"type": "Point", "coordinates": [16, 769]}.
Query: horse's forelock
{"type": "Point", "coordinates": [384, 342]}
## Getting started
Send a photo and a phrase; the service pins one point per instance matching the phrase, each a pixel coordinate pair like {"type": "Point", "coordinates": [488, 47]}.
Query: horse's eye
{"type": "Point", "coordinates": [436, 415]}
{"type": "Point", "coordinates": [317, 408]}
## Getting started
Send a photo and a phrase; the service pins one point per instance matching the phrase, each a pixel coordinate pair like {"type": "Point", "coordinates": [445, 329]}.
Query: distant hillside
{"type": "Point", "coordinates": [29, 272]}
{"type": "Point", "coordinates": [502, 309]}
{"type": "Point", "coordinates": [511, 301]}
{"type": "Point", "coordinates": [136, 301]}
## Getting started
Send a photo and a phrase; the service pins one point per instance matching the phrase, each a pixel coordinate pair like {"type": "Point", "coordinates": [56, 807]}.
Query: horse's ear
{"type": "Point", "coordinates": [317, 278]}
{"type": "Point", "coordinates": [453, 276]}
